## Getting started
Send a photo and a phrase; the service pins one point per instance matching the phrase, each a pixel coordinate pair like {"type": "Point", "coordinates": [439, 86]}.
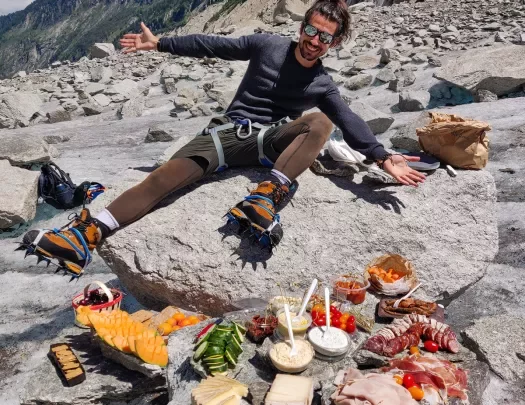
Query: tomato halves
{"type": "Point", "coordinates": [431, 346]}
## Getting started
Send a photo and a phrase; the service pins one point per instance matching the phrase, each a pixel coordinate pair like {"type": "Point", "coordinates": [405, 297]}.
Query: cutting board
{"type": "Point", "coordinates": [438, 315]}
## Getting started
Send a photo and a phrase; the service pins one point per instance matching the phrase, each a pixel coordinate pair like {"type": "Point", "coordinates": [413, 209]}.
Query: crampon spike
{"type": "Point", "coordinates": [21, 247]}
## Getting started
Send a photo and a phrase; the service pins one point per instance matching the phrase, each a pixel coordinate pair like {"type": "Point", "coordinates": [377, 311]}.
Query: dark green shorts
{"type": "Point", "coordinates": [237, 152]}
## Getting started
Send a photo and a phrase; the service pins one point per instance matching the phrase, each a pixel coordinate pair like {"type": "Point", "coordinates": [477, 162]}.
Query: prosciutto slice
{"type": "Point", "coordinates": [442, 375]}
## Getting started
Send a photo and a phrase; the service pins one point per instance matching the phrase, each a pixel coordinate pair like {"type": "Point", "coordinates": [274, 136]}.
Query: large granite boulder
{"type": "Point", "coordinates": [16, 109]}
{"type": "Point", "coordinates": [183, 254]}
{"type": "Point", "coordinates": [18, 194]}
{"type": "Point", "coordinates": [498, 340]}
{"type": "Point", "coordinates": [102, 50]}
{"type": "Point", "coordinates": [23, 150]}
{"type": "Point", "coordinates": [496, 69]}
{"type": "Point", "coordinates": [378, 121]}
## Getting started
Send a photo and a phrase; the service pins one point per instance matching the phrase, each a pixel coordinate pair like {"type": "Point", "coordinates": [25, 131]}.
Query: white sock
{"type": "Point", "coordinates": [281, 177]}
{"type": "Point", "coordinates": [107, 219]}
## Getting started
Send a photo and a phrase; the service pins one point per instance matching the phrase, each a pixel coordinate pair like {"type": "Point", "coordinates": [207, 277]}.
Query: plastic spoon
{"type": "Point", "coordinates": [293, 352]}
{"type": "Point", "coordinates": [327, 308]}
{"type": "Point", "coordinates": [396, 304]}
{"type": "Point", "coordinates": [305, 300]}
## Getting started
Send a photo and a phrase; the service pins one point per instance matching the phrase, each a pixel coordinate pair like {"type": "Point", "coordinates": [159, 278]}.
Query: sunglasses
{"type": "Point", "coordinates": [324, 37]}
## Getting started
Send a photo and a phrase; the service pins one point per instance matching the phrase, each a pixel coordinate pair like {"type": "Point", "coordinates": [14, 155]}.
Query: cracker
{"type": "Point", "coordinates": [59, 348]}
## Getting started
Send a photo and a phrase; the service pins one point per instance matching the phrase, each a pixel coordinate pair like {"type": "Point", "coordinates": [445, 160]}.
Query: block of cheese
{"type": "Point", "coordinates": [218, 390]}
{"type": "Point", "coordinates": [290, 390]}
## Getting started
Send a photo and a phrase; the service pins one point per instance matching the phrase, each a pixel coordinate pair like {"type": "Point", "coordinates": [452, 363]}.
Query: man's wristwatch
{"type": "Point", "coordinates": [381, 161]}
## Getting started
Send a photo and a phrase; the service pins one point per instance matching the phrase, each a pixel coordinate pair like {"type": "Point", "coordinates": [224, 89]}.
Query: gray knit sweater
{"type": "Point", "coordinates": [276, 85]}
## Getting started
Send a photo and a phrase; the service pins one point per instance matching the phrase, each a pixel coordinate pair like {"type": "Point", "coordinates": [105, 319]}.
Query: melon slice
{"type": "Point", "coordinates": [152, 354]}
{"type": "Point", "coordinates": [131, 344]}
{"type": "Point", "coordinates": [121, 343]}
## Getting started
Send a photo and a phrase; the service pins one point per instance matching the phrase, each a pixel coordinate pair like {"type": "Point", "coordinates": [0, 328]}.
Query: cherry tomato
{"type": "Point", "coordinates": [344, 317]}
{"type": "Point", "coordinates": [343, 326]}
{"type": "Point", "coordinates": [315, 314]}
{"type": "Point", "coordinates": [431, 346]}
{"type": "Point", "coordinates": [417, 393]}
{"type": "Point", "coordinates": [351, 319]}
{"type": "Point", "coordinates": [398, 379]}
{"type": "Point", "coordinates": [333, 309]}
{"type": "Point", "coordinates": [414, 350]}
{"type": "Point", "coordinates": [408, 380]}
{"type": "Point", "coordinates": [318, 308]}
{"type": "Point", "coordinates": [321, 321]}
{"type": "Point", "coordinates": [350, 327]}
{"type": "Point", "coordinates": [336, 322]}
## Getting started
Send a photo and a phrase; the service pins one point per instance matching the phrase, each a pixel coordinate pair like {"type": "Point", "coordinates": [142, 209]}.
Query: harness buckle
{"type": "Point", "coordinates": [240, 123]}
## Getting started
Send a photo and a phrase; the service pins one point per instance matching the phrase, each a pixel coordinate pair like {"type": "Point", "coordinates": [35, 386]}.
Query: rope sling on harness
{"type": "Point", "coordinates": [240, 124]}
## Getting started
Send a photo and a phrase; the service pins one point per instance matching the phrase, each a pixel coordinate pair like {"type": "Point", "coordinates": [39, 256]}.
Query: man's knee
{"type": "Point", "coordinates": [320, 125]}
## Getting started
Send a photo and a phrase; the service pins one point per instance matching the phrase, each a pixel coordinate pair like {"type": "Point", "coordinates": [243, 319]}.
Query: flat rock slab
{"type": "Point", "coordinates": [18, 194]}
{"type": "Point", "coordinates": [184, 254]}
{"type": "Point", "coordinates": [499, 341]}
{"type": "Point", "coordinates": [105, 380]}
{"type": "Point", "coordinates": [496, 69]}
{"type": "Point", "coordinates": [129, 361]}
{"type": "Point", "coordinates": [22, 150]}
{"type": "Point", "coordinates": [254, 368]}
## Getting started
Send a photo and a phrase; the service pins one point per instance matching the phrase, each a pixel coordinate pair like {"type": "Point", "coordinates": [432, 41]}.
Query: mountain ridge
{"type": "Point", "coordinates": [51, 30]}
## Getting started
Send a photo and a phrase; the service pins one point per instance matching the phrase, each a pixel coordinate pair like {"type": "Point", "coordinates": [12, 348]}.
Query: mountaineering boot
{"type": "Point", "coordinates": [70, 246]}
{"type": "Point", "coordinates": [257, 213]}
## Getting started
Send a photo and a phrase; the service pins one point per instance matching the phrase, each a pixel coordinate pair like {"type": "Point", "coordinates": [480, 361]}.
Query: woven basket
{"type": "Point", "coordinates": [113, 303]}
{"type": "Point", "coordinates": [401, 266]}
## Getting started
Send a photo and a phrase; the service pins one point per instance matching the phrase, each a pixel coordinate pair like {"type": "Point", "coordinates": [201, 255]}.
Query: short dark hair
{"type": "Point", "coordinates": [332, 10]}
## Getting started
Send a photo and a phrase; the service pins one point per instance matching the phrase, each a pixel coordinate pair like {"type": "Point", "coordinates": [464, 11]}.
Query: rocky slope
{"type": "Point", "coordinates": [47, 31]}
{"type": "Point", "coordinates": [112, 119]}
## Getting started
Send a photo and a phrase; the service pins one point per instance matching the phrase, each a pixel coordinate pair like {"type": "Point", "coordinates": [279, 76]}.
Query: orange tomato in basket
{"type": "Point", "coordinates": [185, 322]}
{"type": "Point", "coordinates": [193, 319]}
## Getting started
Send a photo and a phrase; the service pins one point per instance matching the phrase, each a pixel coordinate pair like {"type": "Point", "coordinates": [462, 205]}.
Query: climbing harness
{"type": "Point", "coordinates": [240, 125]}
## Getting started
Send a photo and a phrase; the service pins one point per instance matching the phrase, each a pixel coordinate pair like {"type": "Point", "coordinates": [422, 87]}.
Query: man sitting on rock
{"type": "Point", "coordinates": [284, 79]}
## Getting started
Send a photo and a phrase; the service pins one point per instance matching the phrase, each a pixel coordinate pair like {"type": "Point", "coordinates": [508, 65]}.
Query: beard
{"type": "Point", "coordinates": [308, 53]}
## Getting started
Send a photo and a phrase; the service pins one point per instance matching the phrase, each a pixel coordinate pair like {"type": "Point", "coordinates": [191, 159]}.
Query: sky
{"type": "Point", "coordinates": [10, 6]}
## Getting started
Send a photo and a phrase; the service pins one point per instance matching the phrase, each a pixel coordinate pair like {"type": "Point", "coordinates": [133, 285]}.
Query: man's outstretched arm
{"type": "Point", "coordinates": [197, 46]}
{"type": "Point", "coordinates": [358, 135]}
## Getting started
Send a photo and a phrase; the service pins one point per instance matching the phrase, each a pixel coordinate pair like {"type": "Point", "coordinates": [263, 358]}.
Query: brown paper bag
{"type": "Point", "coordinates": [456, 141]}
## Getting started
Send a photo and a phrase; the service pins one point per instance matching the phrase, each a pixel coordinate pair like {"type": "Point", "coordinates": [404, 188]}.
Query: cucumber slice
{"type": "Point", "coordinates": [232, 359]}
{"type": "Point", "coordinates": [218, 368]}
{"type": "Point", "coordinates": [205, 337]}
{"type": "Point", "coordinates": [213, 358]}
{"type": "Point", "coordinates": [200, 351]}
{"type": "Point", "coordinates": [235, 348]}
{"type": "Point", "coordinates": [238, 334]}
{"type": "Point", "coordinates": [214, 373]}
{"type": "Point", "coordinates": [214, 362]}
{"type": "Point", "coordinates": [212, 349]}
{"type": "Point", "coordinates": [241, 328]}
{"type": "Point", "coordinates": [225, 328]}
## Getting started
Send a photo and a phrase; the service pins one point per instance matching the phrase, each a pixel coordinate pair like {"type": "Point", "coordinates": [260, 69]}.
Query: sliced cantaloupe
{"type": "Point", "coordinates": [131, 344]}
{"type": "Point", "coordinates": [121, 343]}
{"type": "Point", "coordinates": [151, 353]}
{"type": "Point", "coordinates": [83, 319]}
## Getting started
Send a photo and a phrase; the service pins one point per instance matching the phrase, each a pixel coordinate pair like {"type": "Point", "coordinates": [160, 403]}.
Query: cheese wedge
{"type": "Point", "coordinates": [290, 390]}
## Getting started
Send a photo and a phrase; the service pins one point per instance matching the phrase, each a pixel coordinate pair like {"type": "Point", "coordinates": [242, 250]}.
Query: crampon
{"type": "Point", "coordinates": [256, 215]}
{"type": "Point", "coordinates": [68, 248]}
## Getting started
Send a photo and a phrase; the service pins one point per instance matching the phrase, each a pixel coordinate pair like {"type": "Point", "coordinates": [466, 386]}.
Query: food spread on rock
{"type": "Point", "coordinates": [218, 390]}
{"type": "Point", "coordinates": [421, 375]}
{"type": "Point", "coordinates": [283, 360]}
{"type": "Point", "coordinates": [219, 347]}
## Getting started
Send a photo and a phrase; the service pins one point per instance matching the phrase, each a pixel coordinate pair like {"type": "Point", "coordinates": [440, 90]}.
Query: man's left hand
{"type": "Point", "coordinates": [397, 167]}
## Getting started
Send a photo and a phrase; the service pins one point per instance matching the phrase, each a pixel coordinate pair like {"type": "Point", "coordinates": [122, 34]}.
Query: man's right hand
{"type": "Point", "coordinates": [139, 42]}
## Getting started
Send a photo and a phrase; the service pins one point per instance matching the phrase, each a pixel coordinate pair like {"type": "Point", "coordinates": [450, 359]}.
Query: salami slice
{"type": "Point", "coordinates": [375, 344]}
{"type": "Point", "coordinates": [405, 339]}
{"type": "Point", "coordinates": [437, 338]}
{"type": "Point", "coordinates": [453, 346]}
